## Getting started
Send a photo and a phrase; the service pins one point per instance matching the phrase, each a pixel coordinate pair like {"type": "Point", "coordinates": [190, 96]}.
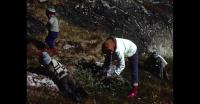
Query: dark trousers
{"type": "Point", "coordinates": [133, 60]}
{"type": "Point", "coordinates": [51, 38]}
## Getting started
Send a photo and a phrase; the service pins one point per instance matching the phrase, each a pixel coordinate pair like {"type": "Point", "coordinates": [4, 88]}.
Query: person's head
{"type": "Point", "coordinates": [154, 53]}
{"type": "Point", "coordinates": [109, 45]}
{"type": "Point", "coordinates": [46, 58]}
{"type": "Point", "coordinates": [50, 12]}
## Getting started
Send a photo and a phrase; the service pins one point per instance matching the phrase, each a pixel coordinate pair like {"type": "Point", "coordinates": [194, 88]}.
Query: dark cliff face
{"type": "Point", "coordinates": [34, 26]}
{"type": "Point", "coordinates": [148, 24]}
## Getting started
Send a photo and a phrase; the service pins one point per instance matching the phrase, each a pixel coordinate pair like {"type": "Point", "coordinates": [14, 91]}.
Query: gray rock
{"type": "Point", "coordinates": [40, 81]}
{"type": "Point", "coordinates": [42, 1]}
{"type": "Point", "coordinates": [67, 46]}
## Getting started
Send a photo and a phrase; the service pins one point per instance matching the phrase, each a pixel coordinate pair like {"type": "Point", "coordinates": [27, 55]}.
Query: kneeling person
{"type": "Point", "coordinates": [121, 48]}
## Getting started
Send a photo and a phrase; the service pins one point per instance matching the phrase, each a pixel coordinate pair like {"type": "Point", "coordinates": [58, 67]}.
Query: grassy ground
{"type": "Point", "coordinates": [110, 91]}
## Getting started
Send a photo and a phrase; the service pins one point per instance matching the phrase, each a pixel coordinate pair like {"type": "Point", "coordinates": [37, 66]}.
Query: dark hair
{"type": "Point", "coordinates": [103, 49]}
{"type": "Point", "coordinates": [111, 37]}
{"type": "Point", "coordinates": [39, 44]}
{"type": "Point", "coordinates": [154, 52]}
{"type": "Point", "coordinates": [103, 45]}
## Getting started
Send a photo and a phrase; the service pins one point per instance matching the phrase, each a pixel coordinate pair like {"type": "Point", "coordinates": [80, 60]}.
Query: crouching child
{"type": "Point", "coordinates": [59, 74]}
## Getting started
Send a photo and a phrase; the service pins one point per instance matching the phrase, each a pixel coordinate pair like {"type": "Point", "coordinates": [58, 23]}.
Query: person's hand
{"type": "Point", "coordinates": [110, 72]}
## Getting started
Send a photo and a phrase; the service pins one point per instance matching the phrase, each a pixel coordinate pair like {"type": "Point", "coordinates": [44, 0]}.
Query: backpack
{"type": "Point", "coordinates": [57, 68]}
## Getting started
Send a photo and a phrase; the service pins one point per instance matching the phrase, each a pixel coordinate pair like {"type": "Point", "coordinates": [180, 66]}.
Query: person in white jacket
{"type": "Point", "coordinates": [120, 48]}
{"type": "Point", "coordinates": [53, 28]}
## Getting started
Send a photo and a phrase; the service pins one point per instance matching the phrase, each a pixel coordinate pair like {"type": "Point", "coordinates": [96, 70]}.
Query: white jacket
{"type": "Point", "coordinates": [54, 26]}
{"type": "Point", "coordinates": [164, 62]}
{"type": "Point", "coordinates": [124, 48]}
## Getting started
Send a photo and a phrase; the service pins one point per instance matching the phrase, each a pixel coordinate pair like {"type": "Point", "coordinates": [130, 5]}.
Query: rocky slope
{"type": "Point", "coordinates": [148, 23]}
{"type": "Point", "coordinates": [84, 24]}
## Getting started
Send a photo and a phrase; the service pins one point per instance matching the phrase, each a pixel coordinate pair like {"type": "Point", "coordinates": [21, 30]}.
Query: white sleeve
{"type": "Point", "coordinates": [121, 64]}
{"type": "Point", "coordinates": [163, 60]}
{"type": "Point", "coordinates": [51, 20]}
